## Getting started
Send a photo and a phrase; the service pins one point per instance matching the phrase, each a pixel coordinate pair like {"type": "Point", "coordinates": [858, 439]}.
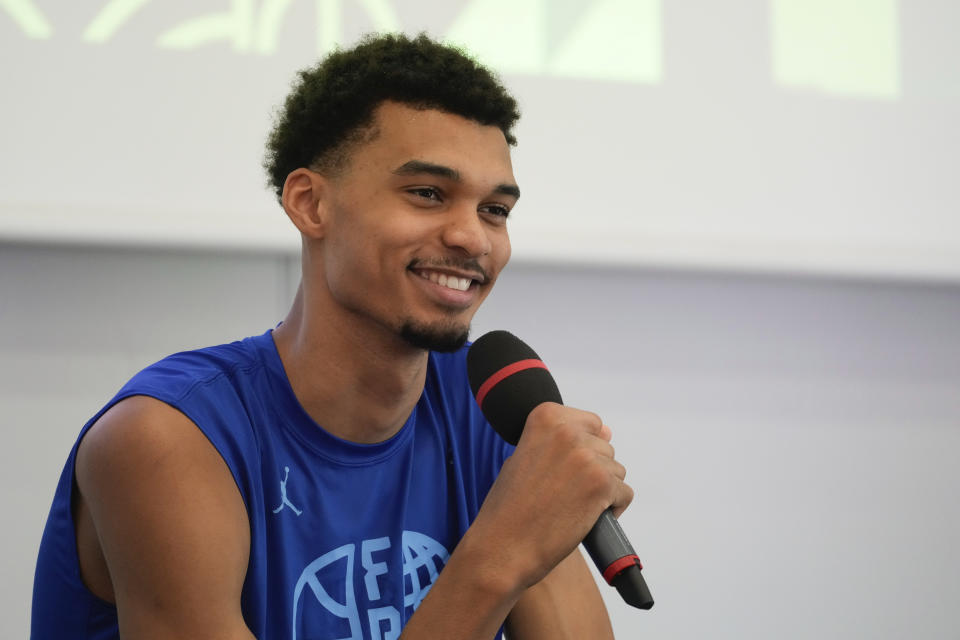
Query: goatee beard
{"type": "Point", "coordinates": [434, 338]}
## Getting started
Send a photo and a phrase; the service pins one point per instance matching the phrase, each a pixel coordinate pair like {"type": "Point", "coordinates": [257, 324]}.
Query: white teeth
{"type": "Point", "coordinates": [444, 280]}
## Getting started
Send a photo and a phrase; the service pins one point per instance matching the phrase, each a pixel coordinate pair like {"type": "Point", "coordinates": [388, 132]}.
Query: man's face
{"type": "Point", "coordinates": [416, 224]}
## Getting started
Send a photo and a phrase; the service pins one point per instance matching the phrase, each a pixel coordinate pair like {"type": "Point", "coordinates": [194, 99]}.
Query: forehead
{"type": "Point", "coordinates": [404, 133]}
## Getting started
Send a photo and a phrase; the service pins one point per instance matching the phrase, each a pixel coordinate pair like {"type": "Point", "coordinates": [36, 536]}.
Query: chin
{"type": "Point", "coordinates": [437, 337]}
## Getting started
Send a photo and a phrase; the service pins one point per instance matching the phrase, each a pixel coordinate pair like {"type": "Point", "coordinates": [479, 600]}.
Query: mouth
{"type": "Point", "coordinates": [455, 277]}
{"type": "Point", "coordinates": [449, 280]}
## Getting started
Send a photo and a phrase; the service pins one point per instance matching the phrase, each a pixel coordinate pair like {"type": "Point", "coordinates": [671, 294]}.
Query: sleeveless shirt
{"type": "Point", "coordinates": [345, 538]}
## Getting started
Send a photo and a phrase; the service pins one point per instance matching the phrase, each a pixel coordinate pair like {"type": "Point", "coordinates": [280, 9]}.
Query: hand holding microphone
{"type": "Point", "coordinates": [564, 463]}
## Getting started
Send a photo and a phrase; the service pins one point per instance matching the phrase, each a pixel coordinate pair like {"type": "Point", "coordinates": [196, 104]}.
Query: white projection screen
{"type": "Point", "coordinates": [770, 135]}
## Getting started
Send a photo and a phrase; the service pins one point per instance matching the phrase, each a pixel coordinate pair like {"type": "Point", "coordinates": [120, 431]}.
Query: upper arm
{"type": "Point", "coordinates": [565, 604]}
{"type": "Point", "coordinates": [169, 520]}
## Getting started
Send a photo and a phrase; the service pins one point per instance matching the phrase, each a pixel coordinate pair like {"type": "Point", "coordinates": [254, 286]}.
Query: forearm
{"type": "Point", "coordinates": [565, 605]}
{"type": "Point", "coordinates": [470, 598]}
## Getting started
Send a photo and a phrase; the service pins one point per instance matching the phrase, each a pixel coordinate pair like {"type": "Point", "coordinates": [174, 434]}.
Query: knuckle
{"type": "Point", "coordinates": [628, 493]}
{"type": "Point", "coordinates": [546, 411]}
{"type": "Point", "coordinates": [533, 420]}
{"type": "Point", "coordinates": [590, 420]}
{"type": "Point", "coordinates": [621, 470]}
{"type": "Point", "coordinates": [543, 417]}
{"type": "Point", "coordinates": [566, 434]}
{"type": "Point", "coordinates": [598, 479]}
{"type": "Point", "coordinates": [581, 458]}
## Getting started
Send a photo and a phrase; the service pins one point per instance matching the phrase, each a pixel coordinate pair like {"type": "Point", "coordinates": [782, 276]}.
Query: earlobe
{"type": "Point", "coordinates": [303, 201]}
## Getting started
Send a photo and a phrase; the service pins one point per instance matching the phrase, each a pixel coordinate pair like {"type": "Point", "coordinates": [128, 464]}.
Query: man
{"type": "Point", "coordinates": [313, 481]}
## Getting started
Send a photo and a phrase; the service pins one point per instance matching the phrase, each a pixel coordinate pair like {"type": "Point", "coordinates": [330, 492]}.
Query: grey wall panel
{"type": "Point", "coordinates": [76, 324]}
{"type": "Point", "coordinates": [792, 442]}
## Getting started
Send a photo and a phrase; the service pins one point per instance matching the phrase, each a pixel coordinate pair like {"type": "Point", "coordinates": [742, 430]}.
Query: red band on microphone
{"type": "Point", "coordinates": [506, 372]}
{"type": "Point", "coordinates": [617, 566]}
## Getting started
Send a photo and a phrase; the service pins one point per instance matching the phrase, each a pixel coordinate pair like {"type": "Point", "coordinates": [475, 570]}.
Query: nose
{"type": "Point", "coordinates": [466, 231]}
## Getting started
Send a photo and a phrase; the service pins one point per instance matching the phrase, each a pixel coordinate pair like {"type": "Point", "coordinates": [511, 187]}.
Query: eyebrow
{"type": "Point", "coordinates": [415, 167]}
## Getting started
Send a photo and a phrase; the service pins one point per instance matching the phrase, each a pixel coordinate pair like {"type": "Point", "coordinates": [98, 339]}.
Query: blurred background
{"type": "Point", "coordinates": [739, 242]}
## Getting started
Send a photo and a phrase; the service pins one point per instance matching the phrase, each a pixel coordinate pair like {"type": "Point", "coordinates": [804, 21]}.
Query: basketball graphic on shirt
{"type": "Point", "coordinates": [423, 558]}
{"type": "Point", "coordinates": [328, 582]}
{"type": "Point", "coordinates": [341, 590]}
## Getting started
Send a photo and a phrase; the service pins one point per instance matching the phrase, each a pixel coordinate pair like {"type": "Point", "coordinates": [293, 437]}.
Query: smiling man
{"type": "Point", "coordinates": [333, 478]}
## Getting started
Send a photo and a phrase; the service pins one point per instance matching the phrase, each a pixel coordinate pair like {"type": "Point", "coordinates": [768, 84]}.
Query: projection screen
{"type": "Point", "coordinates": [779, 135]}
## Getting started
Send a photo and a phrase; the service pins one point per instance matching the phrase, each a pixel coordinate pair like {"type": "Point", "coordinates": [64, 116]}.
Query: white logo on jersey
{"type": "Point", "coordinates": [423, 559]}
{"type": "Point", "coordinates": [284, 501]}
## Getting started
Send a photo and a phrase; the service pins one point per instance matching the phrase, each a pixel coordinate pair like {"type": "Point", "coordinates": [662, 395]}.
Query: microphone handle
{"type": "Point", "coordinates": [617, 561]}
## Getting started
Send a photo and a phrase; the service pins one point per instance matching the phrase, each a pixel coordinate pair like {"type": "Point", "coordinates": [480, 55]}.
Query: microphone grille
{"type": "Point", "coordinates": [508, 379]}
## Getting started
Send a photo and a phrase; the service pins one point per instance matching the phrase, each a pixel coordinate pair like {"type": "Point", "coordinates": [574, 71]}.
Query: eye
{"type": "Point", "coordinates": [499, 210]}
{"type": "Point", "coordinates": [427, 193]}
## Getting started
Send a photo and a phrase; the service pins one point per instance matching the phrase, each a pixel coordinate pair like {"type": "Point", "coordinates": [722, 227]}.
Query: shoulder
{"type": "Point", "coordinates": [178, 374]}
{"type": "Point", "coordinates": [149, 419]}
{"type": "Point", "coordinates": [138, 429]}
{"type": "Point", "coordinates": [140, 440]}
{"type": "Point", "coordinates": [170, 522]}
{"type": "Point", "coordinates": [221, 390]}
{"type": "Point", "coordinates": [183, 416]}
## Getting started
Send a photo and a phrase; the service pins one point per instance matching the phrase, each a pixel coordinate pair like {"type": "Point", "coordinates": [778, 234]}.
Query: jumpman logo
{"type": "Point", "coordinates": [285, 502]}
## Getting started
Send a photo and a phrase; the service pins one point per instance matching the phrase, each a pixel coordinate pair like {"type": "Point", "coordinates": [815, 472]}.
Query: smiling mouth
{"type": "Point", "coordinates": [445, 280]}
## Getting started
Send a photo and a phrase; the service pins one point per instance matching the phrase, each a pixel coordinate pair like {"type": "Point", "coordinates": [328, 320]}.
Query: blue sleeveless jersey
{"type": "Point", "coordinates": [346, 539]}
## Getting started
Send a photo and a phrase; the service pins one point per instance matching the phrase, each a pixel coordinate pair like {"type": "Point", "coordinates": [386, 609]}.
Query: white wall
{"type": "Point", "coordinates": [792, 441]}
{"type": "Point", "coordinates": [750, 134]}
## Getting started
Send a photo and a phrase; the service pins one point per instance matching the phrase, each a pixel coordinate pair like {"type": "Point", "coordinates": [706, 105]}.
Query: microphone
{"type": "Point", "coordinates": [508, 380]}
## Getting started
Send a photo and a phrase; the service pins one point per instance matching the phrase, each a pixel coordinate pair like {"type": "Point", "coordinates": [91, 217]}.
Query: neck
{"type": "Point", "coordinates": [354, 380]}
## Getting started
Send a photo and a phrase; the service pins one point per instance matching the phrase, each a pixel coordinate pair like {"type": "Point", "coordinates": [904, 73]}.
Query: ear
{"type": "Point", "coordinates": [303, 200]}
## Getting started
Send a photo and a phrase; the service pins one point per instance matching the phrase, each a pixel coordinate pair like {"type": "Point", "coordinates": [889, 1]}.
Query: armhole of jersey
{"type": "Point", "coordinates": [219, 444]}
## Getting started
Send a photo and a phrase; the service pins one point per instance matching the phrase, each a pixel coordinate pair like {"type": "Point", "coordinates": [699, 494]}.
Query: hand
{"type": "Point", "coordinates": [551, 491]}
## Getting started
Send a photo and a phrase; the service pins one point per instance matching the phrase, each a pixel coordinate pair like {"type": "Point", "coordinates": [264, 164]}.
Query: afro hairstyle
{"type": "Point", "coordinates": [332, 104]}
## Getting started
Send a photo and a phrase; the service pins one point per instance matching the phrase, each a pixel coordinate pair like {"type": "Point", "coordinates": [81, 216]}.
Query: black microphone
{"type": "Point", "coordinates": [508, 380]}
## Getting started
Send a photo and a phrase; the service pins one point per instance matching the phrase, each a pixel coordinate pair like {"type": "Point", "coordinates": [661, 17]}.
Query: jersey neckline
{"type": "Point", "coordinates": [296, 419]}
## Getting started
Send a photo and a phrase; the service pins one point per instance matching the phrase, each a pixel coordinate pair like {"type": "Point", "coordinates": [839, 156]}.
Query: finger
{"type": "Point", "coordinates": [606, 432]}
{"type": "Point", "coordinates": [623, 499]}
{"type": "Point", "coordinates": [595, 426]}
{"type": "Point", "coordinates": [618, 470]}
{"type": "Point", "coordinates": [598, 446]}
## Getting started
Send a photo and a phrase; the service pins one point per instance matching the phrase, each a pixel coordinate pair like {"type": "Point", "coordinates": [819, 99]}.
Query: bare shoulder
{"type": "Point", "coordinates": [136, 431]}
{"type": "Point", "coordinates": [138, 422]}
{"type": "Point", "coordinates": [158, 510]}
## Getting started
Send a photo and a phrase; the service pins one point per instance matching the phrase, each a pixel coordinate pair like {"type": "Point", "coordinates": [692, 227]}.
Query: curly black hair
{"type": "Point", "coordinates": [332, 103]}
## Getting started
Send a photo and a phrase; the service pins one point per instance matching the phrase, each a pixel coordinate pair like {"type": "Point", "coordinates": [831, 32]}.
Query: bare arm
{"type": "Point", "coordinates": [159, 512]}
{"type": "Point", "coordinates": [566, 605]}
{"type": "Point", "coordinates": [519, 554]}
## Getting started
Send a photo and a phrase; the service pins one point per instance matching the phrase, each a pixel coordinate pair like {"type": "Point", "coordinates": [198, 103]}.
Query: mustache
{"type": "Point", "coordinates": [470, 265]}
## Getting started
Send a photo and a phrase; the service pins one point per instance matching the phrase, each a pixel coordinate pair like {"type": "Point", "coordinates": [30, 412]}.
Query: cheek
{"type": "Point", "coordinates": [501, 249]}
{"type": "Point", "coordinates": [369, 263]}
{"type": "Point", "coordinates": [345, 265]}
{"type": "Point", "coordinates": [499, 257]}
